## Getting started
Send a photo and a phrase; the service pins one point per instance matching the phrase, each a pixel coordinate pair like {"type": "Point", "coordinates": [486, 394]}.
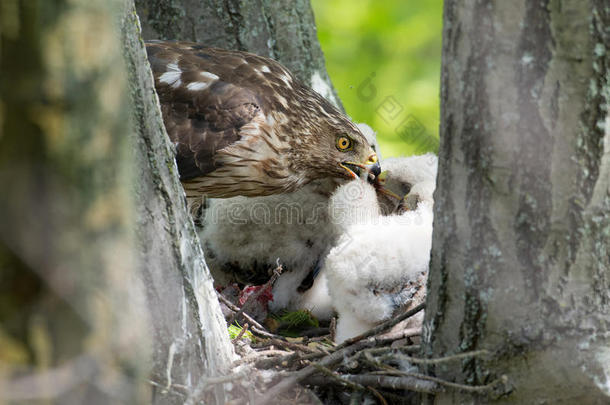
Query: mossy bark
{"type": "Point", "coordinates": [103, 282]}
{"type": "Point", "coordinates": [284, 30]}
{"type": "Point", "coordinates": [520, 258]}
{"type": "Point", "coordinates": [191, 341]}
{"type": "Point", "coordinates": [70, 329]}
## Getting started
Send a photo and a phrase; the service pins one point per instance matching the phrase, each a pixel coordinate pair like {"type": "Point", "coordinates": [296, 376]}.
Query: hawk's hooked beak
{"type": "Point", "coordinates": [371, 168]}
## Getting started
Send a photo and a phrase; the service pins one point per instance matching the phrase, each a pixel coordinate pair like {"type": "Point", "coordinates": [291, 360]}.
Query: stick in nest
{"type": "Point", "coordinates": [382, 327]}
{"type": "Point", "coordinates": [241, 333]}
{"type": "Point", "coordinates": [363, 341]}
{"type": "Point", "coordinates": [329, 360]}
{"type": "Point", "coordinates": [293, 346]}
{"type": "Point", "coordinates": [379, 340]}
{"type": "Point", "coordinates": [439, 383]}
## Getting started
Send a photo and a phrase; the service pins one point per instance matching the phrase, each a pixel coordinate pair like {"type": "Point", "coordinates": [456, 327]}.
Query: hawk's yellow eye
{"type": "Point", "coordinates": [344, 143]}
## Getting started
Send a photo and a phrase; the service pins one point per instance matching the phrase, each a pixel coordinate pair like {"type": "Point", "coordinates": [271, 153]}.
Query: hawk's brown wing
{"type": "Point", "coordinates": [202, 109]}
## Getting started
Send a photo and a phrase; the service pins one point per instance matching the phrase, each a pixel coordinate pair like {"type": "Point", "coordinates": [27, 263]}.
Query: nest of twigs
{"type": "Point", "coordinates": [379, 366]}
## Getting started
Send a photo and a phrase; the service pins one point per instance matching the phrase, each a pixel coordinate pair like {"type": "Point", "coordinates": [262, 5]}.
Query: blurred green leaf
{"type": "Point", "coordinates": [396, 45]}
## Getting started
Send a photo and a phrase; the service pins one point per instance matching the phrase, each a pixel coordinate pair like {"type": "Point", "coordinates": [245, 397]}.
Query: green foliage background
{"type": "Point", "coordinates": [396, 44]}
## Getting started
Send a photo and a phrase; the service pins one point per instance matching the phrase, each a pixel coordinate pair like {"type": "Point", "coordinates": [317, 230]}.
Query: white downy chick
{"type": "Point", "coordinates": [404, 174]}
{"type": "Point", "coordinates": [243, 239]}
{"type": "Point", "coordinates": [379, 265]}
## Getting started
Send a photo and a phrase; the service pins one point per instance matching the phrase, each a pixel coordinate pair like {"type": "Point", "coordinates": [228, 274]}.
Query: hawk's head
{"type": "Point", "coordinates": [244, 125]}
{"type": "Point", "coordinates": [330, 144]}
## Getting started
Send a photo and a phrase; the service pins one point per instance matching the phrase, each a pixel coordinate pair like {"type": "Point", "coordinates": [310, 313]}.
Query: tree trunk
{"type": "Point", "coordinates": [191, 340]}
{"type": "Point", "coordinates": [90, 309]}
{"type": "Point", "coordinates": [520, 261]}
{"type": "Point", "coordinates": [71, 326]}
{"type": "Point", "coordinates": [284, 30]}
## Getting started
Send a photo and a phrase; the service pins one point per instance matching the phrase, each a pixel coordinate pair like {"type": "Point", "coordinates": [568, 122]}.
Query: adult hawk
{"type": "Point", "coordinates": [244, 125]}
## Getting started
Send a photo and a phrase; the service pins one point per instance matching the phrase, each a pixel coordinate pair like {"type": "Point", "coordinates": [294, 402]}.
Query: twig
{"type": "Point", "coordinates": [350, 384]}
{"type": "Point", "coordinates": [382, 350]}
{"type": "Point", "coordinates": [256, 327]}
{"type": "Point", "coordinates": [404, 383]}
{"type": "Point", "coordinates": [287, 360]}
{"type": "Point", "coordinates": [323, 338]}
{"type": "Point", "coordinates": [384, 326]}
{"type": "Point", "coordinates": [377, 394]}
{"type": "Point", "coordinates": [256, 355]}
{"type": "Point", "coordinates": [478, 389]}
{"type": "Point", "coordinates": [292, 345]}
{"type": "Point", "coordinates": [174, 388]}
{"type": "Point", "coordinates": [403, 333]}
{"type": "Point", "coordinates": [346, 349]}
{"type": "Point", "coordinates": [205, 383]}
{"type": "Point", "coordinates": [376, 363]}
{"type": "Point", "coordinates": [263, 332]}
{"type": "Point", "coordinates": [298, 376]}
{"type": "Point", "coordinates": [235, 308]}
{"type": "Point", "coordinates": [292, 358]}
{"type": "Point", "coordinates": [337, 355]}
{"type": "Point", "coordinates": [269, 284]}
{"type": "Point", "coordinates": [380, 381]}
{"type": "Point", "coordinates": [441, 382]}
{"type": "Point", "coordinates": [445, 359]}
{"type": "Point", "coordinates": [336, 377]}
{"type": "Point", "coordinates": [243, 330]}
{"type": "Point", "coordinates": [387, 368]}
